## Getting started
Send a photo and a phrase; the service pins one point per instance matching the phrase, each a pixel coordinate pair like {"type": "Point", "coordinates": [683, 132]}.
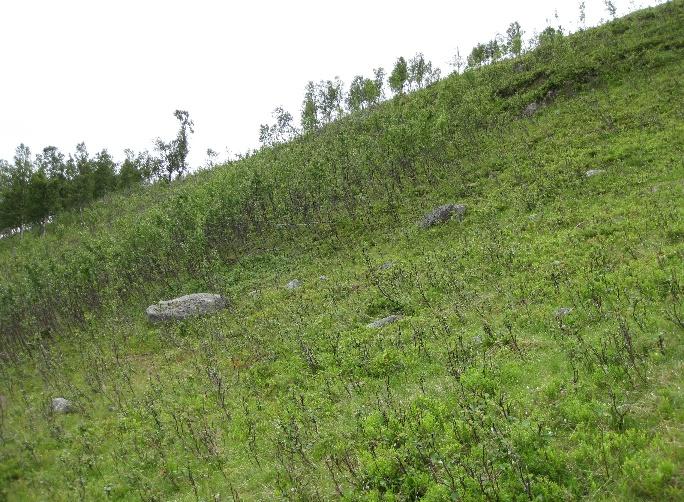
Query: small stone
{"type": "Point", "coordinates": [293, 284]}
{"type": "Point", "coordinates": [593, 172]}
{"type": "Point", "coordinates": [61, 405]}
{"type": "Point", "coordinates": [387, 265]}
{"type": "Point", "coordinates": [551, 95]}
{"type": "Point", "coordinates": [443, 214]}
{"type": "Point", "coordinates": [323, 278]}
{"type": "Point", "coordinates": [563, 311]}
{"type": "Point", "coordinates": [531, 109]}
{"type": "Point", "coordinates": [384, 321]}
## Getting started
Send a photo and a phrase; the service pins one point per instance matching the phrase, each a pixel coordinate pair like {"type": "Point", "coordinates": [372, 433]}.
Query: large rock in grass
{"type": "Point", "coordinates": [384, 321]}
{"type": "Point", "coordinates": [61, 405]}
{"type": "Point", "coordinates": [443, 214]}
{"type": "Point", "coordinates": [294, 284]}
{"type": "Point", "coordinates": [185, 306]}
{"type": "Point", "coordinates": [531, 109]}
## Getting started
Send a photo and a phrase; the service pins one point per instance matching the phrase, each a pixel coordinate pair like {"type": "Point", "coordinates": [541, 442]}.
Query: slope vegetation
{"type": "Point", "coordinates": [539, 350]}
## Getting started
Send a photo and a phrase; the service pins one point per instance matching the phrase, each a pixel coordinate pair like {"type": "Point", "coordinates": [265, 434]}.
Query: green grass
{"type": "Point", "coordinates": [480, 392]}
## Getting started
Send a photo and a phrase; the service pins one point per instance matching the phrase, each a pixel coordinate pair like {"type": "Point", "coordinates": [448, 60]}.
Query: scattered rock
{"type": "Point", "coordinates": [254, 292]}
{"type": "Point", "coordinates": [593, 172]}
{"type": "Point", "coordinates": [531, 109]}
{"type": "Point", "coordinates": [384, 321]}
{"type": "Point", "coordinates": [293, 284]}
{"type": "Point", "coordinates": [442, 214]}
{"type": "Point", "coordinates": [61, 405]}
{"type": "Point", "coordinates": [323, 278]}
{"type": "Point", "coordinates": [185, 306]}
{"type": "Point", "coordinates": [563, 311]}
{"type": "Point", "coordinates": [535, 106]}
{"type": "Point", "coordinates": [387, 265]}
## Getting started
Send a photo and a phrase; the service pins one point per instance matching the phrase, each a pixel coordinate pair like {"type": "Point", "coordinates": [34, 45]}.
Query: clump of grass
{"type": "Point", "coordinates": [481, 391]}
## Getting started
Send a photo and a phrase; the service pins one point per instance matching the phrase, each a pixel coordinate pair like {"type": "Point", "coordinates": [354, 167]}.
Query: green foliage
{"type": "Point", "coordinates": [330, 100]}
{"type": "Point", "coordinates": [421, 72]}
{"type": "Point", "coordinates": [309, 119]}
{"type": "Point", "coordinates": [399, 76]}
{"type": "Point", "coordinates": [174, 153]}
{"type": "Point", "coordinates": [549, 36]}
{"type": "Point", "coordinates": [32, 192]}
{"type": "Point", "coordinates": [484, 389]}
{"type": "Point", "coordinates": [365, 92]}
{"type": "Point", "coordinates": [281, 131]}
{"type": "Point", "coordinates": [477, 56]}
{"type": "Point", "coordinates": [131, 172]}
{"type": "Point", "coordinates": [514, 39]}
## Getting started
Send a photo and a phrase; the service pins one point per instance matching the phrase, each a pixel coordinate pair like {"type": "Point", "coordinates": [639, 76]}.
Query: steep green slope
{"type": "Point", "coordinates": [484, 390]}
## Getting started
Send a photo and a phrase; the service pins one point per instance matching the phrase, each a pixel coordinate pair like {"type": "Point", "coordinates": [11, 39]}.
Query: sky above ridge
{"type": "Point", "coordinates": [111, 74]}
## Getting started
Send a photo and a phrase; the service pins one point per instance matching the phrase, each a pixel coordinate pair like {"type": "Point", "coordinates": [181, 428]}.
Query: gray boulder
{"type": "Point", "coordinates": [442, 214]}
{"type": "Point", "coordinates": [593, 172]}
{"type": "Point", "coordinates": [384, 321]}
{"type": "Point", "coordinates": [61, 405]}
{"type": "Point", "coordinates": [535, 106]}
{"type": "Point", "coordinates": [293, 284]}
{"type": "Point", "coordinates": [185, 306]}
{"type": "Point", "coordinates": [563, 311]}
{"type": "Point", "coordinates": [531, 109]}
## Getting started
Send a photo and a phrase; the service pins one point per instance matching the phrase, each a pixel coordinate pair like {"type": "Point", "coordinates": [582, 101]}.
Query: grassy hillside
{"type": "Point", "coordinates": [483, 390]}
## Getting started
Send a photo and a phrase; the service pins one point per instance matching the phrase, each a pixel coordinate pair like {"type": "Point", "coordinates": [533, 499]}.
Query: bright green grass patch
{"type": "Point", "coordinates": [483, 390]}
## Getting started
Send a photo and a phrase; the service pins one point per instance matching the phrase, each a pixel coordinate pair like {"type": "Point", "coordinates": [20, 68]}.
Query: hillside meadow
{"type": "Point", "coordinates": [538, 350]}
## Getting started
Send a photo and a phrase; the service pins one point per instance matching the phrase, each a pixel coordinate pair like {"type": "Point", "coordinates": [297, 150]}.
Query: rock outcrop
{"type": "Point", "coordinates": [531, 109]}
{"type": "Point", "coordinates": [185, 306]}
{"type": "Point", "coordinates": [293, 284]}
{"type": "Point", "coordinates": [61, 405]}
{"type": "Point", "coordinates": [384, 321]}
{"type": "Point", "coordinates": [535, 106]}
{"type": "Point", "coordinates": [563, 311]}
{"type": "Point", "coordinates": [442, 214]}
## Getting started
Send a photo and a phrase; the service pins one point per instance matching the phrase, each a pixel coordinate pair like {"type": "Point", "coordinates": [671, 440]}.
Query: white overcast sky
{"type": "Point", "coordinates": [111, 73]}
